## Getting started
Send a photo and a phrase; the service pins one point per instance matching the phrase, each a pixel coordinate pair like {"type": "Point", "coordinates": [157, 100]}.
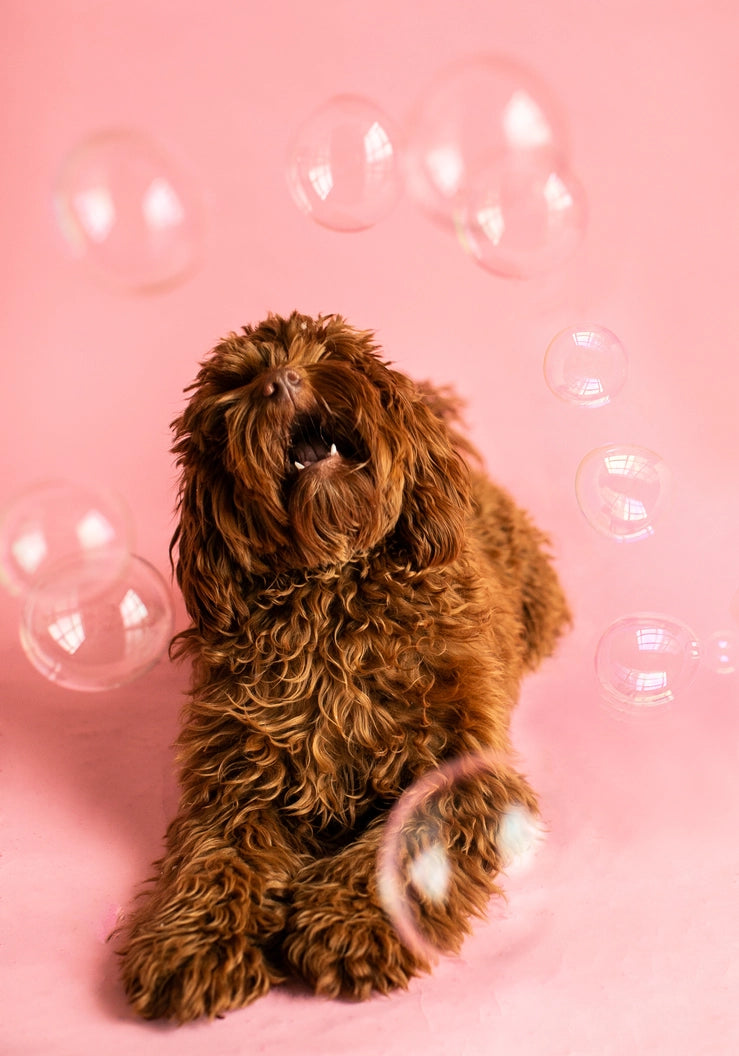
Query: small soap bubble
{"type": "Point", "coordinates": [645, 661]}
{"type": "Point", "coordinates": [84, 631]}
{"type": "Point", "coordinates": [58, 520]}
{"type": "Point", "coordinates": [721, 652]}
{"type": "Point", "coordinates": [622, 490]}
{"type": "Point", "coordinates": [585, 365]}
{"type": "Point", "coordinates": [521, 216]}
{"type": "Point", "coordinates": [430, 849]}
{"type": "Point", "coordinates": [480, 110]}
{"type": "Point", "coordinates": [122, 204]}
{"type": "Point", "coordinates": [344, 164]}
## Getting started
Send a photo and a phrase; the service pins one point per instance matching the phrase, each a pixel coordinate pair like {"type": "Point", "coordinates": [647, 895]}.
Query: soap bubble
{"type": "Point", "coordinates": [521, 216]}
{"type": "Point", "coordinates": [621, 490]}
{"type": "Point", "coordinates": [721, 652]}
{"type": "Point", "coordinates": [432, 847]}
{"type": "Point", "coordinates": [58, 520]}
{"type": "Point", "coordinates": [645, 661]}
{"type": "Point", "coordinates": [343, 167]}
{"type": "Point", "coordinates": [85, 631]}
{"type": "Point", "coordinates": [481, 109]}
{"type": "Point", "coordinates": [585, 365]}
{"type": "Point", "coordinates": [122, 203]}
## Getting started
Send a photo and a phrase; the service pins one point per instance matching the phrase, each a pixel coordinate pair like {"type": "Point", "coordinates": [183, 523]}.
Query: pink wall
{"type": "Point", "coordinates": [624, 938]}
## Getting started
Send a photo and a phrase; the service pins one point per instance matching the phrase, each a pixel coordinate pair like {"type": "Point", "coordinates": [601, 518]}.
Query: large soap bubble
{"type": "Point", "coordinates": [123, 204]}
{"type": "Point", "coordinates": [58, 520]}
{"type": "Point", "coordinates": [84, 631]}
{"type": "Point", "coordinates": [645, 661]}
{"type": "Point", "coordinates": [433, 849]}
{"type": "Point", "coordinates": [479, 113]}
{"type": "Point", "coordinates": [343, 167]}
{"type": "Point", "coordinates": [521, 216]}
{"type": "Point", "coordinates": [622, 489]}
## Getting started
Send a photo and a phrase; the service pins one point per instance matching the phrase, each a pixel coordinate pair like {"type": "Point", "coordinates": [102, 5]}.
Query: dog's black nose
{"type": "Point", "coordinates": [282, 383]}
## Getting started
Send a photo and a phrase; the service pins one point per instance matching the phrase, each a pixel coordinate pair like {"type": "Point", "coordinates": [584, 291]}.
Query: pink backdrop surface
{"type": "Point", "coordinates": [624, 938]}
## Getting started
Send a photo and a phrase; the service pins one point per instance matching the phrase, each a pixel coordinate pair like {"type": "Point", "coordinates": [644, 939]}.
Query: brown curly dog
{"type": "Point", "coordinates": [364, 602]}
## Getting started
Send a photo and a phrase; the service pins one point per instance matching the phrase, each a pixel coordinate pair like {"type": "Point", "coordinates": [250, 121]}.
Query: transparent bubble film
{"type": "Point", "coordinates": [721, 652]}
{"type": "Point", "coordinates": [645, 661]}
{"type": "Point", "coordinates": [622, 490]}
{"type": "Point", "coordinates": [521, 216]}
{"type": "Point", "coordinates": [122, 203]}
{"type": "Point", "coordinates": [344, 164]}
{"type": "Point", "coordinates": [58, 520]}
{"type": "Point", "coordinates": [446, 839]}
{"type": "Point", "coordinates": [585, 365]}
{"type": "Point", "coordinates": [84, 631]}
{"type": "Point", "coordinates": [481, 110]}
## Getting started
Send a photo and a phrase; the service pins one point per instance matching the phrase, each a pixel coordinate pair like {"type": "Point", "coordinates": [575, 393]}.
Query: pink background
{"type": "Point", "coordinates": [624, 937]}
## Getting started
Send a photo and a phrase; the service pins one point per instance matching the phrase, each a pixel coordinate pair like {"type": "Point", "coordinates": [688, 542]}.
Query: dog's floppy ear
{"type": "Point", "coordinates": [436, 503]}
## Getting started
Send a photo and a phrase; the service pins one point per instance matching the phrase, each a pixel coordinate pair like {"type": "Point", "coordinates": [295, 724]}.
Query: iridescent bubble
{"type": "Point", "coordinates": [58, 520]}
{"type": "Point", "coordinates": [645, 661]}
{"type": "Point", "coordinates": [521, 216]}
{"type": "Point", "coordinates": [432, 846]}
{"type": "Point", "coordinates": [721, 652]}
{"type": "Point", "coordinates": [85, 632]}
{"type": "Point", "coordinates": [585, 365]}
{"type": "Point", "coordinates": [122, 203]}
{"type": "Point", "coordinates": [622, 489]}
{"type": "Point", "coordinates": [481, 110]}
{"type": "Point", "coordinates": [343, 167]}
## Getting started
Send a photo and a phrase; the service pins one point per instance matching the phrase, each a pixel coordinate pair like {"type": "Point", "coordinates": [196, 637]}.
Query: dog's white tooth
{"type": "Point", "coordinates": [333, 449]}
{"type": "Point", "coordinates": [299, 465]}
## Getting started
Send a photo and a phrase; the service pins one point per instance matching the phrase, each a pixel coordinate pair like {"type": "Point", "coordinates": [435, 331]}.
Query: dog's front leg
{"type": "Point", "coordinates": [194, 945]}
{"type": "Point", "coordinates": [339, 936]}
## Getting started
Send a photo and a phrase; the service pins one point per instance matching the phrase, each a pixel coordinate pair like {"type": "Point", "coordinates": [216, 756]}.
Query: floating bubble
{"type": "Point", "coordinates": [343, 167]}
{"type": "Point", "coordinates": [521, 216]}
{"type": "Point", "coordinates": [479, 110]}
{"type": "Point", "coordinates": [86, 632]}
{"type": "Point", "coordinates": [585, 365]}
{"type": "Point", "coordinates": [621, 490]}
{"type": "Point", "coordinates": [449, 831]}
{"type": "Point", "coordinates": [721, 652]}
{"type": "Point", "coordinates": [56, 521]}
{"type": "Point", "coordinates": [122, 204]}
{"type": "Point", "coordinates": [645, 661]}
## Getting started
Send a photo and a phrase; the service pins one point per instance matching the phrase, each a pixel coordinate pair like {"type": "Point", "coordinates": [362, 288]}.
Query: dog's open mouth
{"type": "Point", "coordinates": [310, 444]}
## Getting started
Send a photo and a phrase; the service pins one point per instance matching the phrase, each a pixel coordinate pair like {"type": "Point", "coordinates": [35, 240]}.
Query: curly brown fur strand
{"type": "Point", "coordinates": [355, 623]}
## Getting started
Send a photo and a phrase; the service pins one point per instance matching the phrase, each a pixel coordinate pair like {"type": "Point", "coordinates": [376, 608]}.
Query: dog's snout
{"type": "Point", "coordinates": [282, 383]}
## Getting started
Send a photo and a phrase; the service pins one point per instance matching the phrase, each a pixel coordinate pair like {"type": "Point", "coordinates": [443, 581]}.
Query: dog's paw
{"type": "Point", "coordinates": [184, 978]}
{"type": "Point", "coordinates": [346, 947]}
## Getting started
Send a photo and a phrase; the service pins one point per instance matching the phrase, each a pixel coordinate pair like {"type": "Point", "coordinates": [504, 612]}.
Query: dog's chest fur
{"type": "Point", "coordinates": [361, 681]}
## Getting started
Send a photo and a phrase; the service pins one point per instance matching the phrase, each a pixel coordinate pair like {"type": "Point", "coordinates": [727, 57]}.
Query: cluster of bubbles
{"type": "Point", "coordinates": [94, 615]}
{"type": "Point", "coordinates": [484, 154]}
{"type": "Point", "coordinates": [644, 660]}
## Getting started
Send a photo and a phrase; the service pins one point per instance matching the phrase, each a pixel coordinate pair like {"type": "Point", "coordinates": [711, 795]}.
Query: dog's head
{"type": "Point", "coordinates": [300, 448]}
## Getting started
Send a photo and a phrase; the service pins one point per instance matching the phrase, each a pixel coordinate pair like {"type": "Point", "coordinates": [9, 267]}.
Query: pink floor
{"type": "Point", "coordinates": [625, 936]}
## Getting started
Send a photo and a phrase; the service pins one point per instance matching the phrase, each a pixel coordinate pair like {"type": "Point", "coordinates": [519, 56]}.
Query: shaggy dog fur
{"type": "Point", "coordinates": [364, 602]}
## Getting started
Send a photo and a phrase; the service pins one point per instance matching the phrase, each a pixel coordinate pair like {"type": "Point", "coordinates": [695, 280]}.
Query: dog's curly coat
{"type": "Point", "coordinates": [364, 602]}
